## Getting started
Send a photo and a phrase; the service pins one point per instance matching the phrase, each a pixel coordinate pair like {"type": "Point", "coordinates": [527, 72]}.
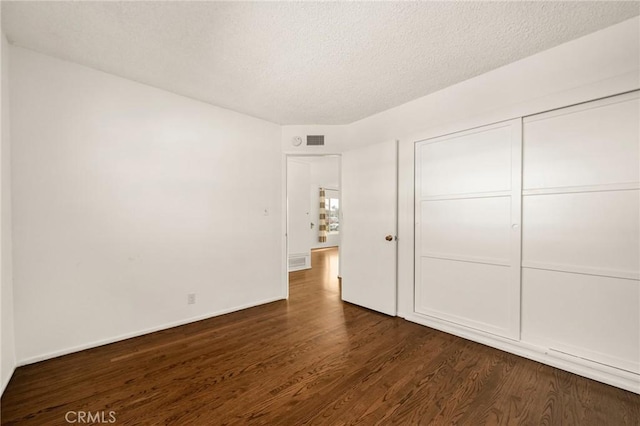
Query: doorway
{"type": "Point", "coordinates": [313, 215]}
{"type": "Point", "coordinates": [368, 203]}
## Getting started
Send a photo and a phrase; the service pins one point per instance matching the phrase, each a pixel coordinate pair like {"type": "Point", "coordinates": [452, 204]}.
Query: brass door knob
{"type": "Point", "coordinates": [388, 238]}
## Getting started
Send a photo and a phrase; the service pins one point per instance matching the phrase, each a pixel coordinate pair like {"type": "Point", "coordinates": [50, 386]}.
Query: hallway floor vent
{"type": "Point", "coordinates": [296, 262]}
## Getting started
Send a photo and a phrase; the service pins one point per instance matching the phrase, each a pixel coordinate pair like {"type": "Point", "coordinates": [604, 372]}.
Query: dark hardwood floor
{"type": "Point", "coordinates": [309, 360]}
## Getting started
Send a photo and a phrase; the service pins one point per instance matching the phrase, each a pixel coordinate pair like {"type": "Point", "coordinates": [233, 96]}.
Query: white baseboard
{"type": "Point", "coordinates": [125, 336]}
{"type": "Point", "coordinates": [582, 367]}
{"type": "Point", "coordinates": [4, 384]}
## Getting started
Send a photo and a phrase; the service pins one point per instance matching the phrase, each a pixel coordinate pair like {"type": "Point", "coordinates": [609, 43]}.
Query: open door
{"type": "Point", "coordinates": [369, 227]}
{"type": "Point", "coordinates": [298, 220]}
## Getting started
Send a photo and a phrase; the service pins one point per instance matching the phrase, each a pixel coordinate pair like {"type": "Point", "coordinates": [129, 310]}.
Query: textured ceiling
{"type": "Point", "coordinates": [302, 62]}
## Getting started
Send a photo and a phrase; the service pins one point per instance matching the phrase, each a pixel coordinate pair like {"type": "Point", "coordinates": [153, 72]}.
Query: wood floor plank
{"type": "Point", "coordinates": [315, 360]}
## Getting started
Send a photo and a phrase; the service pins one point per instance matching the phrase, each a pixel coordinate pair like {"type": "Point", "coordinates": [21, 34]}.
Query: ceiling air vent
{"type": "Point", "coordinates": [315, 140]}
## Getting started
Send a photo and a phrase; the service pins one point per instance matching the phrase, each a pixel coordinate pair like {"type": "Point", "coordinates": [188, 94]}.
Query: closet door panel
{"type": "Point", "coordinates": [467, 229]}
{"type": "Point", "coordinates": [590, 144]}
{"type": "Point", "coordinates": [471, 294]}
{"type": "Point", "coordinates": [468, 212]}
{"type": "Point", "coordinates": [479, 161]}
{"type": "Point", "coordinates": [592, 317]}
{"type": "Point", "coordinates": [591, 232]}
{"type": "Point", "coordinates": [581, 231]}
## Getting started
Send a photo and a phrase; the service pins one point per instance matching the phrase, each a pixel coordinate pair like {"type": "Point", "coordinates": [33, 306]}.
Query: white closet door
{"type": "Point", "coordinates": [468, 209]}
{"type": "Point", "coordinates": [581, 231]}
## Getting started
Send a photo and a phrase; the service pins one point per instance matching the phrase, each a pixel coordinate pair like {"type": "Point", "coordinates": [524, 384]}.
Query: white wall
{"type": "Point", "coordinates": [126, 199]}
{"type": "Point", "coordinates": [7, 341]}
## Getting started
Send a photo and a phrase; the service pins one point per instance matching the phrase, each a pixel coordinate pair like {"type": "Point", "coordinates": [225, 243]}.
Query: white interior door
{"type": "Point", "coordinates": [369, 223]}
{"type": "Point", "coordinates": [298, 220]}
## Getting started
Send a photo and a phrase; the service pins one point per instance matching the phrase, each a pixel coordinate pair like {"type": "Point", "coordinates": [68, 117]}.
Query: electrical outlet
{"type": "Point", "coordinates": [191, 298]}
